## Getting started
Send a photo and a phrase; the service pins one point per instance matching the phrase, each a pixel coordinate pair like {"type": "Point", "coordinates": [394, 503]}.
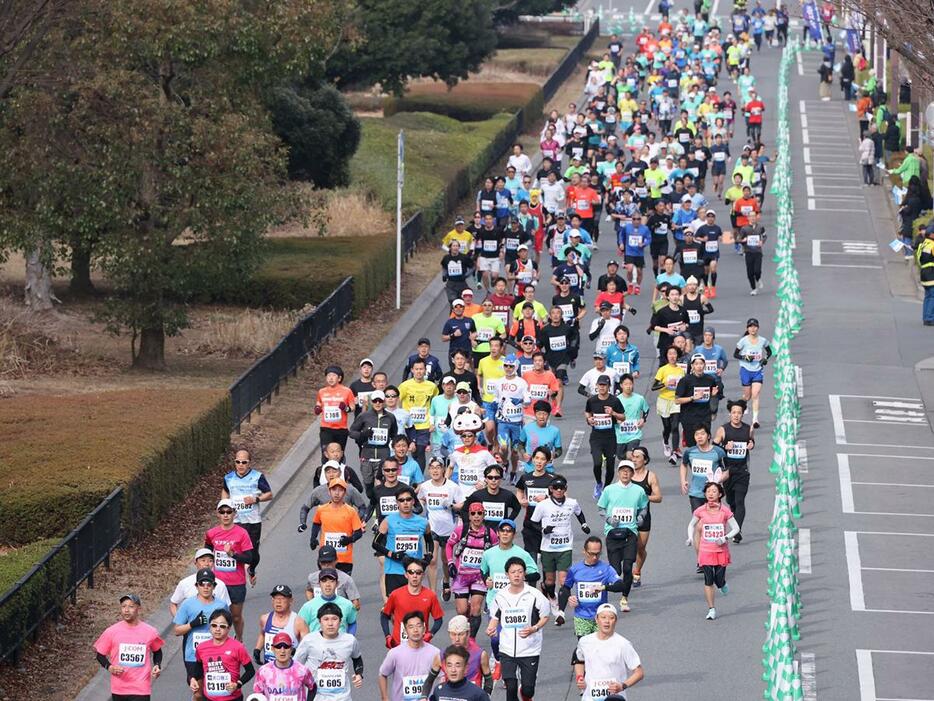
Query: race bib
{"type": "Point", "coordinates": [712, 246]}
{"type": "Point", "coordinates": [754, 240]}
{"type": "Point", "coordinates": [419, 414]}
{"type": "Point", "coordinates": [534, 493]}
{"type": "Point", "coordinates": [407, 543]}
{"type": "Point", "coordinates": [621, 368]}
{"type": "Point", "coordinates": [471, 557]}
{"type": "Point", "coordinates": [689, 257]}
{"type": "Point", "coordinates": [628, 427]}
{"type": "Point", "coordinates": [712, 531]}
{"type": "Point", "coordinates": [600, 688]}
{"type": "Point", "coordinates": [198, 637]}
{"type": "Point", "coordinates": [378, 436]}
{"type": "Point", "coordinates": [623, 515]}
{"type": "Point", "coordinates": [469, 474]}
{"type": "Point", "coordinates": [494, 511]}
{"type": "Point", "coordinates": [455, 268]}
{"type": "Point", "coordinates": [728, 114]}
{"type": "Point", "coordinates": [602, 421]}
{"type": "Point", "coordinates": [583, 205]}
{"type": "Point", "coordinates": [701, 466]}
{"type": "Point", "coordinates": [514, 617]}
{"type": "Point", "coordinates": [334, 539]}
{"type": "Point", "coordinates": [702, 394]}
{"type": "Point", "coordinates": [329, 680]}
{"type": "Point", "coordinates": [486, 206]}
{"type": "Point", "coordinates": [502, 316]}
{"type": "Point", "coordinates": [746, 210]}
{"type": "Point", "coordinates": [412, 687]}
{"type": "Point", "coordinates": [388, 505]}
{"type": "Point", "coordinates": [511, 412]}
{"type": "Point", "coordinates": [710, 367]}
{"type": "Point", "coordinates": [699, 155]}
{"type": "Point", "coordinates": [719, 156]}
{"type": "Point", "coordinates": [589, 592]}
{"type": "Point", "coordinates": [224, 562]}
{"type": "Point", "coordinates": [557, 540]}
{"type": "Point", "coordinates": [436, 502]}
{"type": "Point", "coordinates": [484, 333]}
{"type": "Point", "coordinates": [573, 279]}
{"type": "Point", "coordinates": [634, 241]}
{"type": "Point", "coordinates": [131, 655]}
{"type": "Point", "coordinates": [738, 451]}
{"type": "Point", "coordinates": [661, 228]}
{"type": "Point", "coordinates": [693, 316]}
{"type": "Point", "coordinates": [490, 246]}
{"type": "Point", "coordinates": [671, 382]}
{"type": "Point", "coordinates": [538, 391]}
{"type": "Point", "coordinates": [567, 311]}
{"type": "Point", "coordinates": [500, 581]}
{"type": "Point", "coordinates": [215, 683]}
{"type": "Point", "coordinates": [558, 343]}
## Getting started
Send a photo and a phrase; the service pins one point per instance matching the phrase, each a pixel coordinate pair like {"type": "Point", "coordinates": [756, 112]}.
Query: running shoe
{"type": "Point", "coordinates": [699, 570]}
{"type": "Point", "coordinates": [667, 451]}
{"type": "Point", "coordinates": [725, 589]}
{"type": "Point", "coordinates": [711, 292]}
{"type": "Point", "coordinates": [753, 293]}
{"type": "Point", "coordinates": [638, 290]}
{"type": "Point", "coordinates": [755, 423]}
{"type": "Point", "coordinates": [636, 581]}
{"type": "Point", "coordinates": [738, 538]}
{"type": "Point", "coordinates": [597, 491]}
{"type": "Point", "coordinates": [559, 619]}
{"type": "Point", "coordinates": [711, 615]}
{"type": "Point", "coordinates": [624, 604]}
{"type": "Point", "coordinates": [498, 670]}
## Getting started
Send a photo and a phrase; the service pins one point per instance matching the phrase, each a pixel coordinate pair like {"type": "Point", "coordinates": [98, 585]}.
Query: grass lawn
{"type": "Point", "coordinates": [15, 562]}
{"type": "Point", "coordinates": [535, 61]}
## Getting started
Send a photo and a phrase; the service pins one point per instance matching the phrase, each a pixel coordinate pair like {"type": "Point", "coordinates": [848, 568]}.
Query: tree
{"type": "Point", "coordinates": [319, 129]}
{"type": "Point", "coordinates": [164, 99]}
{"type": "Point", "coordinates": [398, 40]}
{"type": "Point", "coordinates": [508, 11]}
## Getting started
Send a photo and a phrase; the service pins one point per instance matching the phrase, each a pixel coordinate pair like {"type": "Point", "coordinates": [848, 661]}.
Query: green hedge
{"type": "Point", "coordinates": [472, 101]}
{"type": "Point", "coordinates": [167, 475]}
{"type": "Point", "coordinates": [41, 593]}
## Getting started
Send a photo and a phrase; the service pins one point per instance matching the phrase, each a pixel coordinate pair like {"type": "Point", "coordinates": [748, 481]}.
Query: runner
{"type": "Point", "coordinates": [130, 651]}
{"type": "Point", "coordinates": [441, 498]}
{"type": "Point", "coordinates": [693, 394]}
{"type": "Point", "coordinates": [400, 535]}
{"type": "Point", "coordinates": [321, 495]}
{"type": "Point", "coordinates": [735, 437]}
{"type": "Point", "coordinates": [327, 587]}
{"type": "Point", "coordinates": [330, 653]}
{"type": "Point", "coordinates": [432, 364]}
{"type": "Point", "coordinates": [346, 587]}
{"type": "Point", "coordinates": [544, 386]}
{"type": "Point", "coordinates": [602, 411]}
{"type": "Point", "coordinates": [715, 362]}
{"type": "Point", "coordinates": [233, 551]}
{"type": "Point", "coordinates": [456, 267]}
{"type": "Point", "coordinates": [604, 326]}
{"type": "Point", "coordinates": [605, 663]}
{"type": "Point", "coordinates": [753, 352]}
{"type": "Point", "coordinates": [224, 665]}
{"type": "Point", "coordinates": [489, 371]}
{"type": "Point", "coordinates": [624, 506]}
{"type": "Point", "coordinates": [363, 386]}
{"type": "Point", "coordinates": [669, 321]}
{"type": "Point", "coordinates": [511, 396]}
{"type": "Point", "coordinates": [665, 382]}
{"type": "Point", "coordinates": [337, 524]}
{"type": "Point", "coordinates": [465, 549]}
{"type": "Point", "coordinates": [752, 237]}
{"type": "Point", "coordinates": [532, 489]}
{"type": "Point", "coordinates": [636, 410]}
{"type": "Point", "coordinates": [281, 619]}
{"type": "Point", "coordinates": [648, 480]}
{"type": "Point", "coordinates": [416, 395]}
{"type": "Point", "coordinates": [408, 664]}
{"type": "Point", "coordinates": [585, 588]}
{"type": "Point", "coordinates": [188, 586]}
{"type": "Point", "coordinates": [412, 597]}
{"type": "Point", "coordinates": [498, 502]}
{"type": "Point", "coordinates": [458, 687]}
{"type": "Point", "coordinates": [333, 403]}
{"type": "Point", "coordinates": [706, 463]}
{"type": "Point", "coordinates": [246, 488]}
{"type": "Point", "coordinates": [518, 613]}
{"type": "Point", "coordinates": [282, 677]}
{"type": "Point", "coordinates": [553, 514]}
{"type": "Point", "coordinates": [373, 431]}
{"type": "Point", "coordinates": [622, 356]}
{"type": "Point", "coordinates": [708, 532]}
{"type": "Point", "coordinates": [559, 339]}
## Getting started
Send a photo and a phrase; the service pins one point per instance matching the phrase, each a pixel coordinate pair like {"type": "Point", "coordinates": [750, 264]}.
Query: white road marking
{"type": "Point", "coordinates": [851, 544]}
{"type": "Point", "coordinates": [577, 440]}
{"type": "Point", "coordinates": [804, 550]}
{"type": "Point", "coordinates": [890, 457]}
{"type": "Point", "coordinates": [836, 412]}
{"type": "Point", "coordinates": [846, 484]}
{"type": "Point", "coordinates": [812, 205]}
{"type": "Point", "coordinates": [799, 381]}
{"type": "Point", "coordinates": [800, 72]}
{"type": "Point", "coordinates": [648, 8]}
{"type": "Point", "coordinates": [807, 154]}
{"type": "Point", "coordinates": [898, 412]}
{"type": "Point", "coordinates": [896, 569]}
{"type": "Point", "coordinates": [904, 420]}
{"type": "Point", "coordinates": [804, 119]}
{"type": "Point", "coordinates": [808, 668]}
{"type": "Point", "coordinates": [805, 137]}
{"type": "Point", "coordinates": [901, 405]}
{"type": "Point", "coordinates": [802, 450]}
{"type": "Point", "coordinates": [867, 680]}
{"type": "Point", "coordinates": [893, 484]}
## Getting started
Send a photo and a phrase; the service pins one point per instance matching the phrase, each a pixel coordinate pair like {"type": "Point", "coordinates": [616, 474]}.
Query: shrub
{"type": "Point", "coordinates": [62, 455]}
{"type": "Point", "coordinates": [536, 61]}
{"type": "Point", "coordinates": [470, 101]}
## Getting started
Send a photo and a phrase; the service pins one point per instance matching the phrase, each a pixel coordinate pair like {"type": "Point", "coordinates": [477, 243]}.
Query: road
{"type": "Point", "coordinates": [864, 593]}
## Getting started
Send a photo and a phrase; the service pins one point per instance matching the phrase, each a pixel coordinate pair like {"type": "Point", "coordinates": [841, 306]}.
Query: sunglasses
{"type": "Point", "coordinates": [242, 462]}
{"type": "Point", "coordinates": [206, 584]}
{"type": "Point", "coordinates": [559, 487]}
{"type": "Point", "coordinates": [377, 399]}
{"type": "Point", "coordinates": [494, 477]}
{"type": "Point", "coordinates": [387, 470]}
{"type": "Point", "coordinates": [225, 512]}
{"type": "Point", "coordinates": [463, 391]}
{"type": "Point", "coordinates": [282, 646]}
{"type": "Point", "coordinates": [220, 626]}
{"type": "Point", "coordinates": [403, 500]}
{"type": "Point", "coordinates": [391, 396]}
{"type": "Point", "coordinates": [414, 572]}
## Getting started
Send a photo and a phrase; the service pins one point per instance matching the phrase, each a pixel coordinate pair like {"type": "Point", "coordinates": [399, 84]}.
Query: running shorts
{"type": "Point", "coordinates": [747, 377]}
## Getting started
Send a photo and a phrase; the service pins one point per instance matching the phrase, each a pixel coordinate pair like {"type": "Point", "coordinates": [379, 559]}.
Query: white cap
{"type": "Point", "coordinates": [202, 552]}
{"type": "Point", "coordinates": [458, 301]}
{"type": "Point", "coordinates": [448, 378]}
{"type": "Point", "coordinates": [710, 211]}
{"type": "Point", "coordinates": [607, 608]}
{"type": "Point", "coordinates": [366, 361]}
{"type": "Point", "coordinates": [523, 246]}
{"type": "Point", "coordinates": [333, 463]}
{"type": "Point", "coordinates": [686, 198]}
{"type": "Point", "coordinates": [225, 502]}
{"type": "Point", "coordinates": [377, 394]}
{"type": "Point", "coordinates": [691, 281]}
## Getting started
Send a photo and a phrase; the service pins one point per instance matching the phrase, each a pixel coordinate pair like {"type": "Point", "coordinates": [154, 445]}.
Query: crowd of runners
{"type": "Point", "coordinates": [441, 472]}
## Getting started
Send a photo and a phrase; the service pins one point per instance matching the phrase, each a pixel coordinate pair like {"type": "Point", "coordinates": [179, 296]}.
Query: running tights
{"type": "Point", "coordinates": [710, 279]}
{"type": "Point", "coordinates": [736, 487]}
{"type": "Point", "coordinates": [753, 268]}
{"type": "Point", "coordinates": [621, 554]}
{"type": "Point", "coordinates": [670, 430]}
{"type": "Point", "coordinates": [714, 575]}
{"type": "Point", "coordinates": [603, 452]}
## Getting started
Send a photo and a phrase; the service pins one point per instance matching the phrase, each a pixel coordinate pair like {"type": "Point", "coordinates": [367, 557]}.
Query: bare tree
{"type": "Point", "coordinates": [24, 26]}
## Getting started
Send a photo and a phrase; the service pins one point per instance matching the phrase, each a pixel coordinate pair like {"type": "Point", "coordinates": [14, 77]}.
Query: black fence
{"type": "Point", "coordinates": [262, 380]}
{"type": "Point", "coordinates": [39, 594]}
{"type": "Point", "coordinates": [412, 232]}
{"type": "Point", "coordinates": [569, 63]}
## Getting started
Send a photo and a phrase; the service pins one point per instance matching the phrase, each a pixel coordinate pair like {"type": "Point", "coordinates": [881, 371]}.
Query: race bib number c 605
{"type": "Point", "coordinates": [329, 680]}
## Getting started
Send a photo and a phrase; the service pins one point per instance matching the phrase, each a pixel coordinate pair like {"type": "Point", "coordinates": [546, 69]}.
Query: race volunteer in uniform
{"type": "Point", "coordinates": [623, 506]}
{"type": "Point", "coordinates": [498, 502]}
{"type": "Point", "coordinates": [246, 488]}
{"type": "Point", "coordinates": [337, 524]}
{"type": "Point", "coordinates": [333, 403]}
{"type": "Point", "coordinates": [373, 431]}
{"type": "Point", "coordinates": [131, 652]}
{"type": "Point", "coordinates": [693, 395]}
{"type": "Point", "coordinates": [331, 655]}
{"type": "Point", "coordinates": [281, 619]}
{"type": "Point", "coordinates": [518, 613]}
{"type": "Point", "coordinates": [605, 663]}
{"type": "Point", "coordinates": [233, 551]}
{"type": "Point", "coordinates": [735, 437]}
{"type": "Point", "coordinates": [403, 534]}
{"type": "Point", "coordinates": [191, 619]}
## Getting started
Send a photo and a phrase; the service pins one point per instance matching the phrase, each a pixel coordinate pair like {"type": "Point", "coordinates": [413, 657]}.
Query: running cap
{"type": "Point", "coordinates": [327, 573]}
{"type": "Point", "coordinates": [527, 337]}
{"type": "Point", "coordinates": [598, 354]}
{"type": "Point", "coordinates": [575, 232]}
{"type": "Point", "coordinates": [467, 293]}
{"type": "Point", "coordinates": [475, 507]}
{"type": "Point", "coordinates": [604, 380]}
{"type": "Point", "coordinates": [752, 322]}
{"type": "Point", "coordinates": [423, 341]}
{"type": "Point", "coordinates": [366, 361]}
{"type": "Point", "coordinates": [225, 502]}
{"type": "Point", "coordinates": [458, 624]}
{"type": "Point", "coordinates": [281, 590]}
{"type": "Point", "coordinates": [337, 482]}
{"type": "Point", "coordinates": [710, 212]}
{"type": "Point", "coordinates": [205, 575]}
{"type": "Point", "coordinates": [606, 305]}
{"type": "Point", "coordinates": [511, 359]}
{"type": "Point", "coordinates": [462, 387]}
{"type": "Point", "coordinates": [607, 608]}
{"type": "Point", "coordinates": [203, 552]}
{"type": "Point", "coordinates": [560, 215]}
{"type": "Point", "coordinates": [327, 553]}
{"type": "Point", "coordinates": [507, 523]}
{"type": "Point", "coordinates": [686, 198]}
{"type": "Point", "coordinates": [333, 463]}
{"type": "Point", "coordinates": [282, 637]}
{"type": "Point", "coordinates": [458, 301]}
{"type": "Point", "coordinates": [523, 247]}
{"type": "Point", "coordinates": [135, 598]}
{"type": "Point", "coordinates": [557, 482]}
{"type": "Point", "coordinates": [612, 262]}
{"type": "Point", "coordinates": [698, 355]}
{"type": "Point", "coordinates": [377, 394]}
{"type": "Point", "coordinates": [691, 280]}
{"type": "Point", "coordinates": [458, 220]}
{"type": "Point", "coordinates": [627, 464]}
{"type": "Point", "coordinates": [445, 380]}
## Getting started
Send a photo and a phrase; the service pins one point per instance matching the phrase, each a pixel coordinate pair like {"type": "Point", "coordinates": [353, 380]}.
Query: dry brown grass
{"type": "Point", "coordinates": [342, 212]}
{"type": "Point", "coordinates": [246, 333]}
{"type": "Point", "coordinates": [30, 345]}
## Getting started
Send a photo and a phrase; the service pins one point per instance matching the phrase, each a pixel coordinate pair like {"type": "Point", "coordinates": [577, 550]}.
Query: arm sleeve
{"type": "Point", "coordinates": [357, 664]}
{"type": "Point", "coordinates": [734, 528]}
{"type": "Point", "coordinates": [248, 673]}
{"type": "Point", "coordinates": [102, 660]}
{"type": "Point", "coordinates": [385, 622]}
{"type": "Point", "coordinates": [691, 526]}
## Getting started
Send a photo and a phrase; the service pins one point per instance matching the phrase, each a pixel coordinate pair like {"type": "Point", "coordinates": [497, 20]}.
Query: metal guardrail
{"type": "Point", "coordinates": [40, 593]}
{"type": "Point", "coordinates": [261, 381]}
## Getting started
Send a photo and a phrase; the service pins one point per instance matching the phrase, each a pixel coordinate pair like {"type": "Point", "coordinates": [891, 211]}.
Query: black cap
{"type": "Point", "coordinates": [606, 305]}
{"type": "Point", "coordinates": [558, 481]}
{"type": "Point", "coordinates": [132, 597]}
{"type": "Point", "coordinates": [604, 380]}
{"type": "Point", "coordinates": [424, 340]}
{"type": "Point", "coordinates": [752, 322]}
{"type": "Point", "coordinates": [327, 553]}
{"type": "Point", "coordinates": [205, 575]}
{"type": "Point", "coordinates": [612, 262]}
{"type": "Point", "coordinates": [328, 573]}
{"type": "Point", "coordinates": [281, 590]}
